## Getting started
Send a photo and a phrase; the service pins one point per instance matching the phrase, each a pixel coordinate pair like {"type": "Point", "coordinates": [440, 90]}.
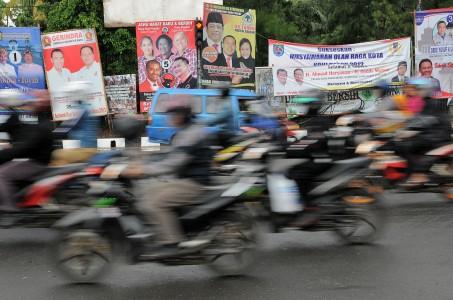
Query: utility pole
{"type": "Point", "coordinates": [419, 5]}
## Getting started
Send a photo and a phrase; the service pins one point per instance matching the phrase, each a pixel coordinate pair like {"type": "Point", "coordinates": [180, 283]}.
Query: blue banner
{"type": "Point", "coordinates": [21, 64]}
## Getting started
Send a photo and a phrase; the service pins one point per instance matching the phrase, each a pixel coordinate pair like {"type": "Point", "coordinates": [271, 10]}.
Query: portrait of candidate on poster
{"type": "Point", "coordinates": [21, 58]}
{"type": "Point", "coordinates": [229, 45]}
{"type": "Point", "coordinates": [73, 56]}
{"type": "Point", "coordinates": [167, 57]}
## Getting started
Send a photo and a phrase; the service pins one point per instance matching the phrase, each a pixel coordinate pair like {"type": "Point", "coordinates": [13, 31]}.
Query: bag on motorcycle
{"type": "Point", "coordinates": [284, 194]}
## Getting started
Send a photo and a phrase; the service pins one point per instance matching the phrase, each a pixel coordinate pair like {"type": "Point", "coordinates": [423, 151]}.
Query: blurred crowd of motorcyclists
{"type": "Point", "coordinates": [408, 125]}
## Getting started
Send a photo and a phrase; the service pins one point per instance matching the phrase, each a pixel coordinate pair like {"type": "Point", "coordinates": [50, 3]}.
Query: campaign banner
{"type": "Point", "coordinates": [167, 57]}
{"type": "Point", "coordinates": [434, 48]}
{"type": "Point", "coordinates": [73, 56]}
{"type": "Point", "coordinates": [21, 58]}
{"type": "Point", "coordinates": [121, 91]}
{"type": "Point", "coordinates": [299, 67]}
{"type": "Point", "coordinates": [229, 45]}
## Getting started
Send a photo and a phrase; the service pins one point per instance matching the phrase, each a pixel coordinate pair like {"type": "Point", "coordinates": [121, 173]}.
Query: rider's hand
{"type": "Point", "coordinates": [133, 171]}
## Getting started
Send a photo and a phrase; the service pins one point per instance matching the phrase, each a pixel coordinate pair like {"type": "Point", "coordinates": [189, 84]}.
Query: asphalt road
{"type": "Point", "coordinates": [413, 260]}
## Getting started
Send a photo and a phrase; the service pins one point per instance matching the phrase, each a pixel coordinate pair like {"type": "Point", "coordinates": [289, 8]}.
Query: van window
{"type": "Point", "coordinates": [161, 106]}
{"type": "Point", "coordinates": [217, 104]}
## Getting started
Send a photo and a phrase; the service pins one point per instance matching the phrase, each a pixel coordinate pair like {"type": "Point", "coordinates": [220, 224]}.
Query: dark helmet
{"type": "Point", "coordinates": [182, 105]}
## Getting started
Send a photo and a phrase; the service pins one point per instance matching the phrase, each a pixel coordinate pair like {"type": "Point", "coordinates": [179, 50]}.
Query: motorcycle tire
{"type": "Point", "coordinates": [82, 256]}
{"type": "Point", "coordinates": [360, 207]}
{"type": "Point", "coordinates": [239, 226]}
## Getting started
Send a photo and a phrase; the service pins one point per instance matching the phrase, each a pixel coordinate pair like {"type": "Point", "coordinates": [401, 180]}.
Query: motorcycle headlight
{"type": "Point", "coordinates": [254, 153]}
{"type": "Point", "coordinates": [367, 147]}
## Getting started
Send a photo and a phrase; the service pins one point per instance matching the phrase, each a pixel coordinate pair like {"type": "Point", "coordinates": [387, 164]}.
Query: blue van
{"type": "Point", "coordinates": [208, 103]}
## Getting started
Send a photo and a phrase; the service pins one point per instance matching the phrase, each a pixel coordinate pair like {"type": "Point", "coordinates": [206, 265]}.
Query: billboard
{"type": "Point", "coordinates": [167, 57]}
{"type": "Point", "coordinates": [73, 56]}
{"type": "Point", "coordinates": [300, 67]}
{"type": "Point", "coordinates": [434, 48]}
{"type": "Point", "coordinates": [228, 50]}
{"type": "Point", "coordinates": [21, 58]}
{"type": "Point", "coordinates": [121, 91]}
{"type": "Point", "coordinates": [120, 13]}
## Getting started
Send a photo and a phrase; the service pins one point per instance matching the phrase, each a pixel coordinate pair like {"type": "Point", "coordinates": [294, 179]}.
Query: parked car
{"type": "Point", "coordinates": [207, 105]}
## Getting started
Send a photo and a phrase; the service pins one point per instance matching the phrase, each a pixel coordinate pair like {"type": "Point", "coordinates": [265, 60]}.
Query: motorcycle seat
{"type": "Point", "coordinates": [283, 165]}
{"type": "Point", "coordinates": [442, 151]}
{"type": "Point", "coordinates": [342, 166]}
{"type": "Point", "coordinates": [54, 171]}
{"type": "Point", "coordinates": [207, 203]}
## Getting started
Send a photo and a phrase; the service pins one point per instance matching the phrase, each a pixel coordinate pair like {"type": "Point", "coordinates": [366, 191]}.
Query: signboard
{"type": "Point", "coordinates": [228, 50]}
{"type": "Point", "coordinates": [299, 67]}
{"type": "Point", "coordinates": [434, 48]}
{"type": "Point", "coordinates": [21, 58]}
{"type": "Point", "coordinates": [167, 57]}
{"type": "Point", "coordinates": [120, 13]}
{"type": "Point", "coordinates": [73, 56]}
{"type": "Point", "coordinates": [121, 91]}
{"type": "Point", "coordinates": [264, 87]}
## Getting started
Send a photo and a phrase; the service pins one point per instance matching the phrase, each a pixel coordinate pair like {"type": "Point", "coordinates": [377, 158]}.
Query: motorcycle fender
{"type": "Point", "coordinates": [88, 215]}
{"type": "Point", "coordinates": [333, 184]}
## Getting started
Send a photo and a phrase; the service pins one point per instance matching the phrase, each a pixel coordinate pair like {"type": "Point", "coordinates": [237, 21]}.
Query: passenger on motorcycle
{"type": "Point", "coordinates": [428, 128]}
{"type": "Point", "coordinates": [34, 148]}
{"type": "Point", "coordinates": [82, 127]}
{"type": "Point", "coordinates": [189, 162]}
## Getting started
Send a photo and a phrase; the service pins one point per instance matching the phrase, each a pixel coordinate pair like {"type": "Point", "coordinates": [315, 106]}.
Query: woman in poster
{"type": "Point", "coordinates": [147, 47]}
{"type": "Point", "coordinates": [246, 60]}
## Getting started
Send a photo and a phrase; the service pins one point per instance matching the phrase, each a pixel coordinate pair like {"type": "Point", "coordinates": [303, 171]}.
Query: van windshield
{"type": "Point", "coordinates": [161, 106]}
{"type": "Point", "coordinates": [217, 104]}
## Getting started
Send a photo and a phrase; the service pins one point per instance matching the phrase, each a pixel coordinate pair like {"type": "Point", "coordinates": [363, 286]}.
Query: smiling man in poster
{"type": "Point", "coordinates": [91, 70]}
{"type": "Point", "coordinates": [74, 56]}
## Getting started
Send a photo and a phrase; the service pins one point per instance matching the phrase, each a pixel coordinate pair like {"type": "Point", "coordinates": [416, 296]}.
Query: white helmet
{"type": "Point", "coordinates": [12, 97]}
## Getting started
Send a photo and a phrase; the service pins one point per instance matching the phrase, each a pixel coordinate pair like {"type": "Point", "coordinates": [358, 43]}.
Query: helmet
{"type": "Point", "coordinates": [419, 82]}
{"type": "Point", "coordinates": [381, 85]}
{"type": "Point", "coordinates": [424, 85]}
{"type": "Point", "coordinates": [312, 101]}
{"type": "Point", "coordinates": [180, 104]}
{"type": "Point", "coordinates": [12, 97]}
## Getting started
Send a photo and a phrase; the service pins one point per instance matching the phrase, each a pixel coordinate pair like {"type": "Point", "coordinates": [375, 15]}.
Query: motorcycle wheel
{"type": "Point", "coordinates": [237, 244]}
{"type": "Point", "coordinates": [82, 256]}
{"type": "Point", "coordinates": [362, 219]}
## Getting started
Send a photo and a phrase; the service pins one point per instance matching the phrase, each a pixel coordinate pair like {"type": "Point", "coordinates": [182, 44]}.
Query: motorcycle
{"type": "Point", "coordinates": [389, 169]}
{"type": "Point", "coordinates": [353, 212]}
{"type": "Point", "coordinates": [91, 238]}
{"type": "Point", "coordinates": [44, 199]}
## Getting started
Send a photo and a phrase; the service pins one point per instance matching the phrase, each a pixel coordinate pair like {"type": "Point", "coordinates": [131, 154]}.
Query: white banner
{"type": "Point", "coordinates": [120, 13]}
{"type": "Point", "coordinates": [298, 67]}
{"type": "Point", "coordinates": [434, 48]}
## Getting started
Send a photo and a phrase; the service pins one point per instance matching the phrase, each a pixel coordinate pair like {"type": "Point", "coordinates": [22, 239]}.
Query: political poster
{"type": "Point", "coordinates": [298, 67]}
{"type": "Point", "coordinates": [434, 48]}
{"type": "Point", "coordinates": [73, 56]}
{"type": "Point", "coordinates": [121, 91]}
{"type": "Point", "coordinates": [264, 87]}
{"type": "Point", "coordinates": [229, 45]}
{"type": "Point", "coordinates": [167, 57]}
{"type": "Point", "coordinates": [21, 58]}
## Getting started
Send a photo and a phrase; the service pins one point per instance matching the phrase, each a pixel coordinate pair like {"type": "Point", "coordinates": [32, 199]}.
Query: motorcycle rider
{"type": "Point", "coordinates": [314, 148]}
{"type": "Point", "coordinates": [189, 160]}
{"type": "Point", "coordinates": [427, 129]}
{"type": "Point", "coordinates": [82, 127]}
{"type": "Point", "coordinates": [34, 147]}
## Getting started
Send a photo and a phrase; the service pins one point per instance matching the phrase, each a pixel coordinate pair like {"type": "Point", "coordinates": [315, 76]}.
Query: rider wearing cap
{"type": "Point", "coordinates": [189, 161]}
